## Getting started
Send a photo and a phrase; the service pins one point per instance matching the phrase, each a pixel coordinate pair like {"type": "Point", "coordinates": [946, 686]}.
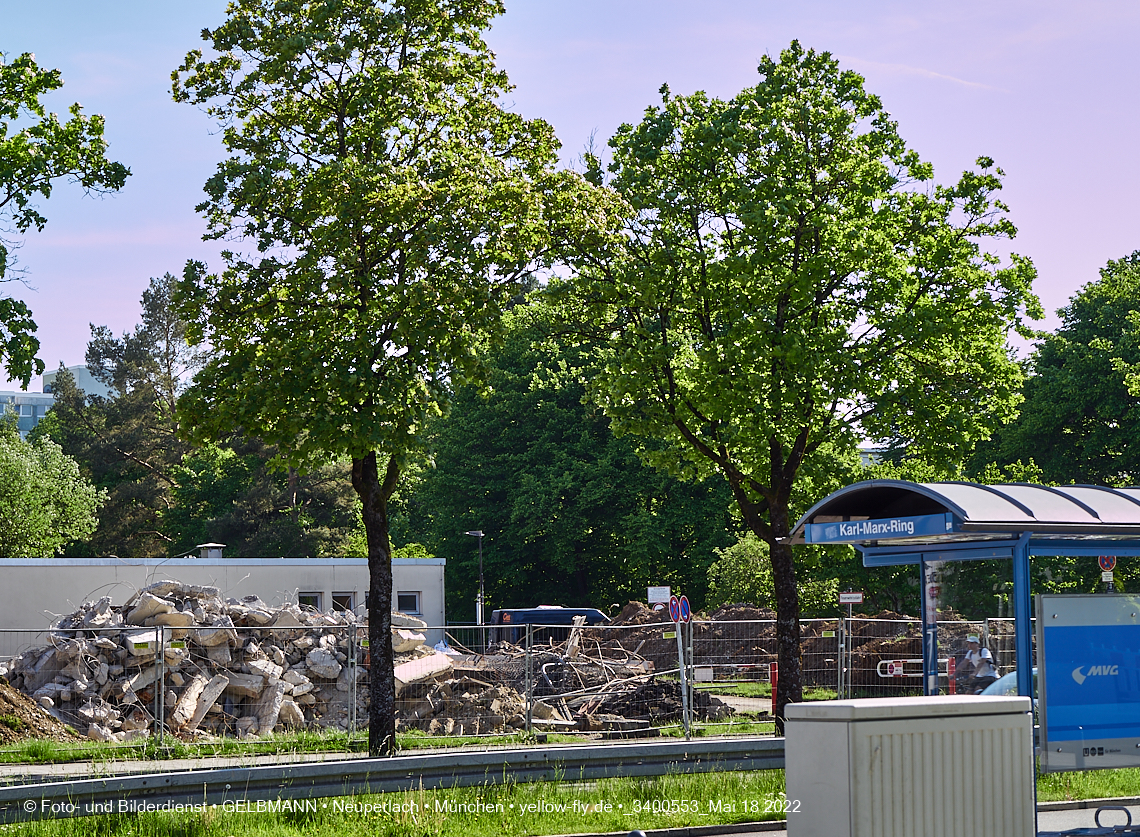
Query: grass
{"type": "Point", "coordinates": [511, 810]}
{"type": "Point", "coordinates": [1092, 784]}
{"type": "Point", "coordinates": [762, 689]}
{"type": "Point", "coordinates": [514, 810]}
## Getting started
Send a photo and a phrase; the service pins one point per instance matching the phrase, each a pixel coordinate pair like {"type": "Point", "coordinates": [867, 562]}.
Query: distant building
{"type": "Point", "coordinates": [83, 379]}
{"type": "Point", "coordinates": [30, 407]}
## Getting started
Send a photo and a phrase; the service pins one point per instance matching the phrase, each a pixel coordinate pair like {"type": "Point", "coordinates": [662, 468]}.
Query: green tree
{"type": "Point", "coordinates": [394, 205]}
{"type": "Point", "coordinates": [233, 493]}
{"type": "Point", "coordinates": [33, 157]}
{"type": "Point", "coordinates": [742, 572]}
{"type": "Point", "coordinates": [571, 515]}
{"type": "Point", "coordinates": [788, 284]}
{"type": "Point", "coordinates": [1080, 421]}
{"type": "Point", "coordinates": [44, 501]}
{"type": "Point", "coordinates": [129, 443]}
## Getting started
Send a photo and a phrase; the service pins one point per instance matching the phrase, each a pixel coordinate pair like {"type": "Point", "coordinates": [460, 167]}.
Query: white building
{"type": "Point", "coordinates": [84, 380]}
{"type": "Point", "coordinates": [37, 591]}
{"type": "Point", "coordinates": [30, 407]}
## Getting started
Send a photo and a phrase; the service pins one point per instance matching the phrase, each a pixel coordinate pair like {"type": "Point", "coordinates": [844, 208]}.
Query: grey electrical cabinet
{"type": "Point", "coordinates": [949, 766]}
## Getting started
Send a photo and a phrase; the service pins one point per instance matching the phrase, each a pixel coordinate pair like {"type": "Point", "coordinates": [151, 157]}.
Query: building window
{"type": "Point", "coordinates": [407, 602]}
{"type": "Point", "coordinates": [342, 601]}
{"type": "Point", "coordinates": [312, 600]}
{"type": "Point", "coordinates": [27, 410]}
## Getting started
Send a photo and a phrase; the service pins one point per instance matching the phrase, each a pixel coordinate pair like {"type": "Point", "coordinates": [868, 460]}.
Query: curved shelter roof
{"type": "Point", "coordinates": [963, 511]}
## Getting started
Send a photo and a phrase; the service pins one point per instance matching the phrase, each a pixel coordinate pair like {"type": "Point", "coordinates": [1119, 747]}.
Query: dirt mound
{"type": "Point", "coordinates": [22, 718]}
{"type": "Point", "coordinates": [638, 613]}
{"type": "Point", "coordinates": [741, 613]}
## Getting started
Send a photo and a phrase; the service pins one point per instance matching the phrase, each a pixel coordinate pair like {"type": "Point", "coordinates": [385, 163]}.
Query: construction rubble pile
{"type": "Point", "coordinates": [590, 682]}
{"type": "Point", "coordinates": [227, 667]}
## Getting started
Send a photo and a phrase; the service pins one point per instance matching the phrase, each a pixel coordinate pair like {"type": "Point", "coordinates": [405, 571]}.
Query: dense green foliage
{"type": "Point", "coordinates": [789, 283]}
{"type": "Point", "coordinates": [1080, 421]}
{"type": "Point", "coordinates": [742, 572]}
{"type": "Point", "coordinates": [33, 157]}
{"type": "Point", "coordinates": [394, 204]}
{"type": "Point", "coordinates": [571, 515]}
{"type": "Point", "coordinates": [44, 500]}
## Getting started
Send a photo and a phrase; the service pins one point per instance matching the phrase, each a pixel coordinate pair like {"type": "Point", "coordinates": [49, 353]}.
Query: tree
{"type": "Point", "coordinates": [788, 284]}
{"type": "Point", "coordinates": [232, 493]}
{"type": "Point", "coordinates": [32, 159]}
{"type": "Point", "coordinates": [742, 572]}
{"type": "Point", "coordinates": [394, 204]}
{"type": "Point", "coordinates": [571, 515]}
{"type": "Point", "coordinates": [1080, 421]}
{"type": "Point", "coordinates": [129, 443]}
{"type": "Point", "coordinates": [44, 501]}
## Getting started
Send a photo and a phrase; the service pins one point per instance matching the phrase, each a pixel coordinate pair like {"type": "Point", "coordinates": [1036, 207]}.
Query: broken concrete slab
{"type": "Point", "coordinates": [245, 685]}
{"type": "Point", "coordinates": [187, 702]}
{"type": "Point", "coordinates": [210, 693]}
{"type": "Point", "coordinates": [422, 670]}
{"type": "Point", "coordinates": [323, 663]}
{"type": "Point", "coordinates": [268, 706]}
{"type": "Point", "coordinates": [148, 605]}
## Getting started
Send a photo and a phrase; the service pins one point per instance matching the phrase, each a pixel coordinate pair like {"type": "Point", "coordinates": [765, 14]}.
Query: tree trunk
{"type": "Point", "coordinates": [791, 683]}
{"type": "Point", "coordinates": [374, 497]}
{"type": "Point", "coordinates": [791, 680]}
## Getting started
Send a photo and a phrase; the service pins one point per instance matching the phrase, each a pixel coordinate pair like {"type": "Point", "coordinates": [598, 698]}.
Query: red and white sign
{"type": "Point", "coordinates": [851, 598]}
{"type": "Point", "coordinates": [895, 668]}
{"type": "Point", "coordinates": [1107, 563]}
{"type": "Point", "coordinates": [674, 608]}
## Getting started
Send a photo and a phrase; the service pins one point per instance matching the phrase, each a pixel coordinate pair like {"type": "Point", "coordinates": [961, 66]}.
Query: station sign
{"type": "Point", "coordinates": [885, 529]}
{"type": "Point", "coordinates": [1089, 681]}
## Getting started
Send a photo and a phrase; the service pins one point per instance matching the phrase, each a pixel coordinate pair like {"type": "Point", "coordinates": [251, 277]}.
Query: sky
{"type": "Point", "coordinates": [1048, 89]}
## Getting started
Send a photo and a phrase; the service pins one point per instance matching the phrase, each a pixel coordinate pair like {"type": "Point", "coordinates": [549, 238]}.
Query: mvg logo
{"type": "Point", "coordinates": [1094, 671]}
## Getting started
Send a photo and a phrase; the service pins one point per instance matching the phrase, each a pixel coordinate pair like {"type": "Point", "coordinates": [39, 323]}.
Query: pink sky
{"type": "Point", "coordinates": [1046, 88]}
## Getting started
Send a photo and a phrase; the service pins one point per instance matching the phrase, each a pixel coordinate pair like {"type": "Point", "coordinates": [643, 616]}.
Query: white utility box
{"type": "Point", "coordinates": [951, 766]}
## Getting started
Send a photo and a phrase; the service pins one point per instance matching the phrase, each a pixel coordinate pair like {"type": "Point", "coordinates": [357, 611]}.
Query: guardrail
{"type": "Point", "coordinates": [234, 788]}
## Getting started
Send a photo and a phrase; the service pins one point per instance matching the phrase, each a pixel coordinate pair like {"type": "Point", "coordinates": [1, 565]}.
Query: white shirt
{"type": "Point", "coordinates": [983, 662]}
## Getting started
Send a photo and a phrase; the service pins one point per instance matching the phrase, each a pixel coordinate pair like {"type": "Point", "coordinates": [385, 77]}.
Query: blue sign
{"type": "Point", "coordinates": [1088, 657]}
{"type": "Point", "coordinates": [674, 608]}
{"type": "Point", "coordinates": [1107, 563]}
{"type": "Point", "coordinates": [887, 529]}
{"type": "Point", "coordinates": [686, 612]}
{"type": "Point", "coordinates": [1093, 682]}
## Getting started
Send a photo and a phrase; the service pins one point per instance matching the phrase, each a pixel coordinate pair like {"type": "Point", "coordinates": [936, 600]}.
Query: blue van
{"type": "Point", "coordinates": [509, 625]}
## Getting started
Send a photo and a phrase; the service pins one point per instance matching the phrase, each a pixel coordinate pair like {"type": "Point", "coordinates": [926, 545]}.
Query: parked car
{"type": "Point", "coordinates": [509, 625]}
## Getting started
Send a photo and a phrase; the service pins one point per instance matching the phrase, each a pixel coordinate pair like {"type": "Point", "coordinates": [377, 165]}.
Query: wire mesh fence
{"type": "Point", "coordinates": [194, 682]}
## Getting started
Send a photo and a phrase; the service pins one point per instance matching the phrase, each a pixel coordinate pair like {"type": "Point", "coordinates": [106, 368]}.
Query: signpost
{"type": "Point", "coordinates": [847, 597]}
{"type": "Point", "coordinates": [1107, 565]}
{"type": "Point", "coordinates": [679, 611]}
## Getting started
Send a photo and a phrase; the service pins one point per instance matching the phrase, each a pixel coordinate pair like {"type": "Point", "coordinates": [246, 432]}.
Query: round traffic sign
{"type": "Point", "coordinates": [686, 613]}
{"type": "Point", "coordinates": [1108, 563]}
{"type": "Point", "coordinates": [674, 609]}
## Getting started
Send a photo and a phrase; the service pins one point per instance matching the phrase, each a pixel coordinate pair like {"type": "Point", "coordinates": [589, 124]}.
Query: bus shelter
{"type": "Point", "coordinates": [894, 522]}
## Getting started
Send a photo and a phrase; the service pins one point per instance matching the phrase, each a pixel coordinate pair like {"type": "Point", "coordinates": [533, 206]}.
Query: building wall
{"type": "Point", "coordinates": [35, 592]}
{"type": "Point", "coordinates": [29, 407]}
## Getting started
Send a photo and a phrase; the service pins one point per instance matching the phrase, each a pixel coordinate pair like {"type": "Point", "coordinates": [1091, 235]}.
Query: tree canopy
{"type": "Point", "coordinates": [32, 158]}
{"type": "Point", "coordinates": [393, 204]}
{"type": "Point", "coordinates": [790, 282]}
{"type": "Point", "coordinates": [45, 502]}
{"type": "Point", "coordinates": [571, 515]}
{"type": "Point", "coordinates": [1080, 420]}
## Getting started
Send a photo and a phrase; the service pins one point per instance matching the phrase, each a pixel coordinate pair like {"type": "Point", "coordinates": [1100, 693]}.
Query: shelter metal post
{"type": "Point", "coordinates": [929, 588]}
{"type": "Point", "coordinates": [1022, 607]}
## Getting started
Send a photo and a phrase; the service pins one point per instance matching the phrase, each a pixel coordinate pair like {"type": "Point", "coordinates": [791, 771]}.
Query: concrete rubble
{"type": "Point", "coordinates": [227, 666]}
{"type": "Point", "coordinates": [214, 666]}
